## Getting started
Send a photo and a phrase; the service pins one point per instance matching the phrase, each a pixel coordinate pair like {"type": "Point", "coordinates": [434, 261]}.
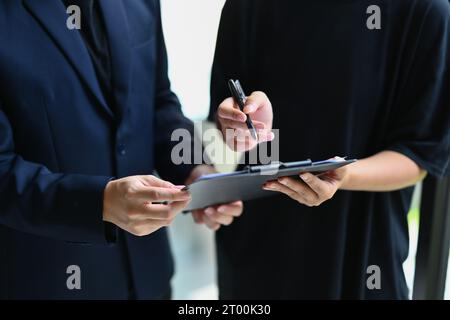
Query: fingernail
{"type": "Point", "coordinates": [266, 137]}
{"type": "Point", "coordinates": [209, 211]}
{"type": "Point", "coordinates": [221, 210]}
{"type": "Point", "coordinates": [304, 177]}
{"type": "Point", "coordinates": [179, 187]}
{"type": "Point", "coordinates": [241, 117]}
{"type": "Point", "coordinates": [250, 108]}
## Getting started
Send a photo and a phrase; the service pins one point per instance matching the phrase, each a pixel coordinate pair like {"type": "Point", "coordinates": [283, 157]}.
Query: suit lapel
{"type": "Point", "coordinates": [52, 16]}
{"type": "Point", "coordinates": [117, 30]}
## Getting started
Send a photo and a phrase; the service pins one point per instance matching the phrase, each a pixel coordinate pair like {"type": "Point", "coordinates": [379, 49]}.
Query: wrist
{"type": "Point", "coordinates": [106, 200]}
{"type": "Point", "coordinates": [110, 229]}
{"type": "Point", "coordinates": [349, 178]}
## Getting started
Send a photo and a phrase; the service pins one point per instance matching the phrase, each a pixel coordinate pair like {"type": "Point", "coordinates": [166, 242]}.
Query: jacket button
{"type": "Point", "coordinates": [121, 150]}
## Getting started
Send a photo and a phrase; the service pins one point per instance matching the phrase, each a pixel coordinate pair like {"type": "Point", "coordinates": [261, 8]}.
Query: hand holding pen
{"type": "Point", "coordinates": [245, 121]}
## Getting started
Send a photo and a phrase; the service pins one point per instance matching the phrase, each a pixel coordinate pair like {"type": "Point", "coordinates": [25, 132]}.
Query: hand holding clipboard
{"type": "Point", "coordinates": [248, 184]}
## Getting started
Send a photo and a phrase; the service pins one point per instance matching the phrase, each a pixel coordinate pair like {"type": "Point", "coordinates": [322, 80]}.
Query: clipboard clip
{"type": "Point", "coordinates": [274, 167]}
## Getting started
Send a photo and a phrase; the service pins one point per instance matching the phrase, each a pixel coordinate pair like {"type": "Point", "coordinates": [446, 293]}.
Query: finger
{"type": "Point", "coordinates": [214, 226]}
{"type": "Point", "coordinates": [158, 211]}
{"type": "Point", "coordinates": [197, 215]}
{"type": "Point", "coordinates": [152, 181]}
{"type": "Point", "coordinates": [301, 188]}
{"type": "Point", "coordinates": [229, 103]}
{"type": "Point", "coordinates": [229, 110]}
{"type": "Point", "coordinates": [178, 206]}
{"type": "Point", "coordinates": [232, 209]}
{"type": "Point", "coordinates": [162, 194]}
{"type": "Point", "coordinates": [218, 217]}
{"type": "Point", "coordinates": [265, 135]}
{"type": "Point", "coordinates": [278, 187]}
{"type": "Point", "coordinates": [241, 140]}
{"type": "Point", "coordinates": [319, 186]}
{"type": "Point", "coordinates": [238, 135]}
{"type": "Point", "coordinates": [151, 211]}
{"type": "Point", "coordinates": [243, 136]}
{"type": "Point", "coordinates": [258, 125]}
{"type": "Point", "coordinates": [233, 125]}
{"type": "Point", "coordinates": [234, 128]}
{"type": "Point", "coordinates": [256, 101]}
{"type": "Point", "coordinates": [242, 146]}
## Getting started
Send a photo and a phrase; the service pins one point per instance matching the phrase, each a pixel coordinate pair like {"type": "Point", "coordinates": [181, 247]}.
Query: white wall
{"type": "Point", "coordinates": [190, 28]}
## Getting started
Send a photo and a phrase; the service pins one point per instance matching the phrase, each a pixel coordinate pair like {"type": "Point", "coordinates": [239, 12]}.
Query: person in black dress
{"type": "Point", "coordinates": [337, 86]}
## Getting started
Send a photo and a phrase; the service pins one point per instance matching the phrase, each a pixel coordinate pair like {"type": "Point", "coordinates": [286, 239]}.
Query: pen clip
{"type": "Point", "coordinates": [277, 165]}
{"type": "Point", "coordinates": [237, 92]}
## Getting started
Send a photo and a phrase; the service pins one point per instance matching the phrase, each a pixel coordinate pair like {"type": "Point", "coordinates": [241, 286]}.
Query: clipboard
{"type": "Point", "coordinates": [247, 184]}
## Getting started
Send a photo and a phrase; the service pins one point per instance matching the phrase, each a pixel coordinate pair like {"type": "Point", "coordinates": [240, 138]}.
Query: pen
{"type": "Point", "coordinates": [239, 96]}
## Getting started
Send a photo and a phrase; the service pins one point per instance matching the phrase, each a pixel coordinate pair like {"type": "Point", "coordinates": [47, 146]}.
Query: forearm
{"type": "Point", "coordinates": [382, 172]}
{"type": "Point", "coordinates": [66, 207]}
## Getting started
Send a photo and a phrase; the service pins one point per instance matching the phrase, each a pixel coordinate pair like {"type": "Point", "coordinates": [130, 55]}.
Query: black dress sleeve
{"type": "Point", "coordinates": [230, 58]}
{"type": "Point", "coordinates": [420, 123]}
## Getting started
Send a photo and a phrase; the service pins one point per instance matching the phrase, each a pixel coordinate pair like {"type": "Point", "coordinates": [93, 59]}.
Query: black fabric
{"type": "Point", "coordinates": [167, 295]}
{"type": "Point", "coordinates": [93, 32]}
{"type": "Point", "coordinates": [60, 145]}
{"type": "Point", "coordinates": [337, 88]}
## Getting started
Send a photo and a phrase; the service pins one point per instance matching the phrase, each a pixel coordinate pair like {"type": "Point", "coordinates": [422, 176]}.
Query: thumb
{"type": "Point", "coordinates": [256, 101]}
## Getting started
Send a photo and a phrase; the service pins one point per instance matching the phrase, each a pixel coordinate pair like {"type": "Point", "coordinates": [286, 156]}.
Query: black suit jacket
{"type": "Point", "coordinates": [60, 144]}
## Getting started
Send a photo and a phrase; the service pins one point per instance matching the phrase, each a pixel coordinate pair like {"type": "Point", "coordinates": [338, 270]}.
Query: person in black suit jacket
{"type": "Point", "coordinates": [85, 117]}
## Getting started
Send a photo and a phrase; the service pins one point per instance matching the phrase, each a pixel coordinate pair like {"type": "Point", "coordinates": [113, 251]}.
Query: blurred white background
{"type": "Point", "coordinates": [190, 28]}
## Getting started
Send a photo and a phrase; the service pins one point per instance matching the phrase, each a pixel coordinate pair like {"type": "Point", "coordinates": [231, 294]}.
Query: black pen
{"type": "Point", "coordinates": [239, 96]}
